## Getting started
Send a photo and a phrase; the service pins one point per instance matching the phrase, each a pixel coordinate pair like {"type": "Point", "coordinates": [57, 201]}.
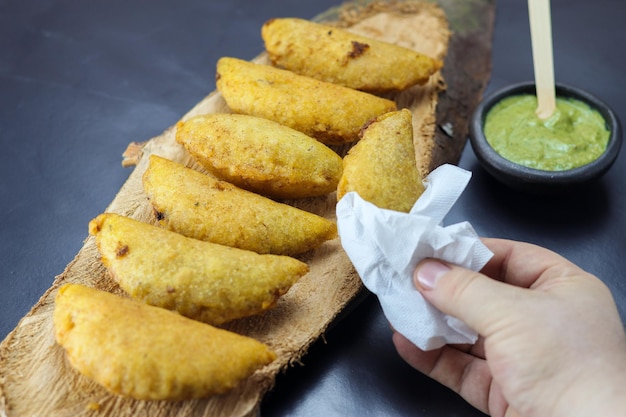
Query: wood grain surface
{"type": "Point", "coordinates": [35, 377]}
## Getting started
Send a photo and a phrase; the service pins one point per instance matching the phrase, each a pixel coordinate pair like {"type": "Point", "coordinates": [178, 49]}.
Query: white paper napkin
{"type": "Point", "coordinates": [385, 246]}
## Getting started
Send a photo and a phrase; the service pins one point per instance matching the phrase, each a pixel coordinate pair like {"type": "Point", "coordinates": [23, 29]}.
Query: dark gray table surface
{"type": "Point", "coordinates": [79, 80]}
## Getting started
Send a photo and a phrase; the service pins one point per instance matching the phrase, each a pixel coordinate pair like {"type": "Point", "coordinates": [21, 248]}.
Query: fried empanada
{"type": "Point", "coordinates": [338, 56]}
{"type": "Point", "coordinates": [381, 167]}
{"type": "Point", "coordinates": [261, 155]}
{"type": "Point", "coordinates": [201, 280]}
{"type": "Point", "coordinates": [149, 353]}
{"type": "Point", "coordinates": [202, 207]}
{"type": "Point", "coordinates": [330, 113]}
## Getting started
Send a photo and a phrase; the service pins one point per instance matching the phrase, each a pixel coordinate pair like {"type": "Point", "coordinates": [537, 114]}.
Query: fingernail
{"type": "Point", "coordinates": [429, 273]}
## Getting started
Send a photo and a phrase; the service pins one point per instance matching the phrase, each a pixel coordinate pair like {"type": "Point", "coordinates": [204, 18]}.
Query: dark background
{"type": "Point", "coordinates": [79, 80]}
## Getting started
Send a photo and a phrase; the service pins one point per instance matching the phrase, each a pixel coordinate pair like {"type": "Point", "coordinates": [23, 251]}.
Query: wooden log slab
{"type": "Point", "coordinates": [35, 376]}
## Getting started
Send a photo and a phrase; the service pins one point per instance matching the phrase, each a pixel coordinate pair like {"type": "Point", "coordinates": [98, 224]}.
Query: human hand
{"type": "Point", "coordinates": [551, 340]}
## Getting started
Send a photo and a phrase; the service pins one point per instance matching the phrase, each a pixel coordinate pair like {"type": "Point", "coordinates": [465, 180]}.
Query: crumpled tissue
{"type": "Point", "coordinates": [385, 246]}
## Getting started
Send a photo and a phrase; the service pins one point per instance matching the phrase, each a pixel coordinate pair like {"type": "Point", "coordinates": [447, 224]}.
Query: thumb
{"type": "Point", "coordinates": [467, 295]}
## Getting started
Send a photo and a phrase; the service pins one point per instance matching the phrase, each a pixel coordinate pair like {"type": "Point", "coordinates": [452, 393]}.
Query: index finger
{"type": "Point", "coordinates": [524, 264]}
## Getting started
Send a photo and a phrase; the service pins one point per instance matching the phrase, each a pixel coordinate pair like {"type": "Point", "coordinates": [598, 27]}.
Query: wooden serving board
{"type": "Point", "coordinates": [35, 377]}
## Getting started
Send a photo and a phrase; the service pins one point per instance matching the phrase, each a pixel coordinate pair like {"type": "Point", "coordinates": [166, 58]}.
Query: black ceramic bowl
{"type": "Point", "coordinates": [535, 180]}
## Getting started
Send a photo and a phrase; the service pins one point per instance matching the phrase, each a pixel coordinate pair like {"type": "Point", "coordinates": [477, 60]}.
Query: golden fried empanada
{"type": "Point", "coordinates": [338, 56]}
{"type": "Point", "coordinates": [381, 167]}
{"type": "Point", "coordinates": [330, 113]}
{"type": "Point", "coordinates": [202, 207]}
{"type": "Point", "coordinates": [149, 353]}
{"type": "Point", "coordinates": [261, 155]}
{"type": "Point", "coordinates": [201, 280]}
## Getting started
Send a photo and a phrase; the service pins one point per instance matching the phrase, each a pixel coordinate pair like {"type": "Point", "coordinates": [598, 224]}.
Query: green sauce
{"type": "Point", "coordinates": [573, 136]}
